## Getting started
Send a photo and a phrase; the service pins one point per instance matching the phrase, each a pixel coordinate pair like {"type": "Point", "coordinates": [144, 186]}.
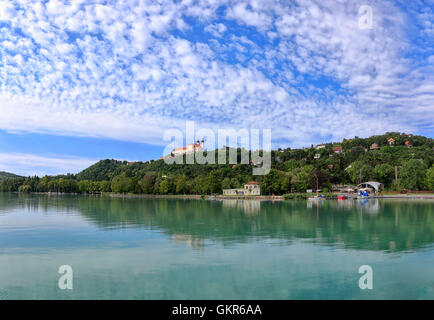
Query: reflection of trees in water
{"type": "Point", "coordinates": [347, 203]}
{"type": "Point", "coordinates": [398, 226]}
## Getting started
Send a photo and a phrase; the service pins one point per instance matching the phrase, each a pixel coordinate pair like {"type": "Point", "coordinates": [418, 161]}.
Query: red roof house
{"type": "Point", "coordinates": [337, 149]}
{"type": "Point", "coordinates": [252, 182]}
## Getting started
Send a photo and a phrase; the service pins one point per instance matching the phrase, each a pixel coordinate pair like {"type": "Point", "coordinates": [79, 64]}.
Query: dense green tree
{"type": "Point", "coordinates": [83, 185]}
{"type": "Point", "coordinates": [303, 178]}
{"type": "Point", "coordinates": [147, 184]}
{"type": "Point", "coordinates": [181, 185]}
{"type": "Point", "coordinates": [235, 183]}
{"type": "Point", "coordinates": [226, 183]}
{"type": "Point", "coordinates": [104, 186]}
{"type": "Point", "coordinates": [430, 178]}
{"type": "Point", "coordinates": [25, 188]}
{"type": "Point", "coordinates": [271, 184]}
{"type": "Point", "coordinates": [122, 184]}
{"type": "Point", "coordinates": [43, 184]}
{"type": "Point", "coordinates": [11, 184]}
{"type": "Point", "coordinates": [214, 182]}
{"type": "Point", "coordinates": [286, 182]}
{"type": "Point", "coordinates": [359, 172]}
{"type": "Point", "coordinates": [384, 173]}
{"type": "Point", "coordinates": [412, 175]}
{"type": "Point", "coordinates": [164, 187]}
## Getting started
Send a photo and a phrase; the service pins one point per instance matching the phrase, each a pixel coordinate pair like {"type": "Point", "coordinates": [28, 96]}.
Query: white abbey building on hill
{"type": "Point", "coordinates": [192, 147]}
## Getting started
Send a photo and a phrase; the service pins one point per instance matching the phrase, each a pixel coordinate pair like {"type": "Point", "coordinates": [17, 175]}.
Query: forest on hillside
{"type": "Point", "coordinates": [293, 170]}
{"type": "Point", "coordinates": [6, 175]}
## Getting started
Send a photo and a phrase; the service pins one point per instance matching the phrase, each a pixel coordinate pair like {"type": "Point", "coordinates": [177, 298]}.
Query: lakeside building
{"type": "Point", "coordinates": [343, 188]}
{"type": "Point", "coordinates": [372, 185]}
{"type": "Point", "coordinates": [251, 188]}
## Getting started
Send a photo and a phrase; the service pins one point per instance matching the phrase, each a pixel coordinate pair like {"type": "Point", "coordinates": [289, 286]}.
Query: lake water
{"type": "Point", "coordinates": [193, 249]}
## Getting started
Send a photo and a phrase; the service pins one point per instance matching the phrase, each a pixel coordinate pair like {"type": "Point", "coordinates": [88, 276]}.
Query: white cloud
{"type": "Point", "coordinates": [251, 13]}
{"type": "Point", "coordinates": [29, 164]}
{"type": "Point", "coordinates": [7, 11]}
{"type": "Point", "coordinates": [129, 70]}
{"type": "Point", "coordinates": [217, 30]}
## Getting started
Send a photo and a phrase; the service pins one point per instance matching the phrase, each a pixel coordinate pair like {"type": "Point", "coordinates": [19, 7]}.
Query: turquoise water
{"type": "Point", "coordinates": [191, 249]}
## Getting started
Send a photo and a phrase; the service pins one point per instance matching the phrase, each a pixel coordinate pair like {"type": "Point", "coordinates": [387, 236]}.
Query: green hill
{"type": "Point", "coordinates": [102, 170]}
{"type": "Point", "coordinates": [5, 175]}
{"type": "Point", "coordinates": [349, 161]}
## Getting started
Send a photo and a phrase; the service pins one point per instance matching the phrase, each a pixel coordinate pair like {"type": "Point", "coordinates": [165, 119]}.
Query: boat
{"type": "Point", "coordinates": [342, 197]}
{"type": "Point", "coordinates": [364, 194]}
{"type": "Point", "coordinates": [317, 197]}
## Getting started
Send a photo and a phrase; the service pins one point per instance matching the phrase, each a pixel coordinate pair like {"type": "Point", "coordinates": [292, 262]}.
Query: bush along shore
{"type": "Point", "coordinates": [399, 161]}
{"type": "Point", "coordinates": [304, 196]}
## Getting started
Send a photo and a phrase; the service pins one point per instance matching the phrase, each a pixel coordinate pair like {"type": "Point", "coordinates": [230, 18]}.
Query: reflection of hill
{"type": "Point", "coordinates": [398, 225]}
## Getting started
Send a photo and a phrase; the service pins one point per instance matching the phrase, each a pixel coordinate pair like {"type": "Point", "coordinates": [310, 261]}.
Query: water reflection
{"type": "Point", "coordinates": [386, 225]}
{"type": "Point", "coordinates": [371, 206]}
{"type": "Point", "coordinates": [345, 204]}
{"type": "Point", "coordinates": [250, 207]}
{"type": "Point", "coordinates": [189, 240]}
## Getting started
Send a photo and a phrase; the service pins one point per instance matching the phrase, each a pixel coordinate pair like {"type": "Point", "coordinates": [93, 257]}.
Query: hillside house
{"type": "Point", "coordinates": [374, 146]}
{"type": "Point", "coordinates": [338, 149]}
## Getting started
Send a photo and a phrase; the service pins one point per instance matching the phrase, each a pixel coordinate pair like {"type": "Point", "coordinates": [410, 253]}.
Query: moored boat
{"type": "Point", "coordinates": [317, 197]}
{"type": "Point", "coordinates": [364, 194]}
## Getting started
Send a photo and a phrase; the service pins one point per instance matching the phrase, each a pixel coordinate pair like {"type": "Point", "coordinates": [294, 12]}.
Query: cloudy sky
{"type": "Point", "coordinates": [85, 80]}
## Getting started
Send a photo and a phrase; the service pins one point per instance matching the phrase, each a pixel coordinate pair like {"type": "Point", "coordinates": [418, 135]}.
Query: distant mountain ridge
{"type": "Point", "coordinates": [5, 175]}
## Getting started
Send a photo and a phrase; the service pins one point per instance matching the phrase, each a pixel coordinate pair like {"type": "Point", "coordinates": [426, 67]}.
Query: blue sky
{"type": "Point", "coordinates": [87, 80]}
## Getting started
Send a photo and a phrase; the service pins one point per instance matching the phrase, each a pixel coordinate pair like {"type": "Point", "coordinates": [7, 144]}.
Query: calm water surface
{"type": "Point", "coordinates": [191, 249]}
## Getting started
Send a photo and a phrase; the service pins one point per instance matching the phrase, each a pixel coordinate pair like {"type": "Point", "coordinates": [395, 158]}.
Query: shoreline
{"type": "Point", "coordinates": [194, 197]}
{"type": "Point", "coordinates": [226, 197]}
{"type": "Point", "coordinates": [406, 196]}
